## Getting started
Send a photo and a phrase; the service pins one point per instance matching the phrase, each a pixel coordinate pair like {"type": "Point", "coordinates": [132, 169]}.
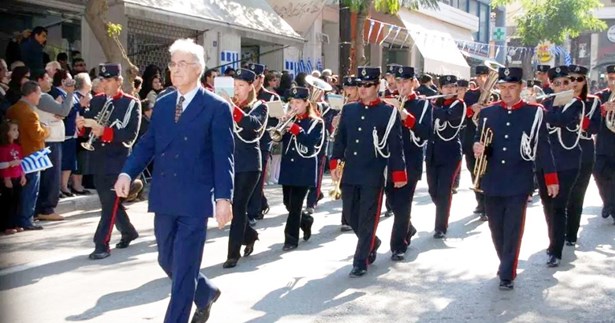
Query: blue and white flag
{"type": "Point", "coordinates": [309, 66]}
{"type": "Point", "coordinates": [319, 65]}
{"type": "Point", "coordinates": [302, 67]}
{"type": "Point", "coordinates": [37, 161]}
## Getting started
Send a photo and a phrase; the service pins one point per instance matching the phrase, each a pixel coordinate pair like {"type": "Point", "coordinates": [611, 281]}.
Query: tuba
{"type": "Point", "coordinates": [609, 118]}
{"type": "Point", "coordinates": [102, 119]}
{"type": "Point", "coordinates": [488, 88]}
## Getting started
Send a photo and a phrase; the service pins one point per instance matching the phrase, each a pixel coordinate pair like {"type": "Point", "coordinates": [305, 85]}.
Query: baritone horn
{"type": "Point", "coordinates": [336, 192]}
{"type": "Point", "coordinates": [489, 87]}
{"type": "Point", "coordinates": [486, 136]}
{"type": "Point", "coordinates": [319, 87]}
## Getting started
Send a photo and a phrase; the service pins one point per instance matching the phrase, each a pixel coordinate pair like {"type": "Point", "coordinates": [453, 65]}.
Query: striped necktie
{"type": "Point", "coordinates": [179, 108]}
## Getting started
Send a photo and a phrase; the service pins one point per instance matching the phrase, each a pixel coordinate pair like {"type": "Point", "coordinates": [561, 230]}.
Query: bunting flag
{"type": "Point", "coordinates": [309, 66]}
{"type": "Point", "coordinates": [395, 37]}
{"type": "Point", "coordinates": [37, 161]}
{"type": "Point", "coordinates": [391, 27]}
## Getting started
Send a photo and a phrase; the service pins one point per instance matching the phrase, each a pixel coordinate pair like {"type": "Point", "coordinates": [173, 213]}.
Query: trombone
{"type": "Point", "coordinates": [336, 192]}
{"type": "Point", "coordinates": [486, 136]}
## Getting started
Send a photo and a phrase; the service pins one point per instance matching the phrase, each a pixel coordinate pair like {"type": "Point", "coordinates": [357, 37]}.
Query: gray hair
{"type": "Point", "coordinates": [81, 80]}
{"type": "Point", "coordinates": [29, 87]}
{"type": "Point", "coordinates": [51, 65]}
{"type": "Point", "coordinates": [187, 45]}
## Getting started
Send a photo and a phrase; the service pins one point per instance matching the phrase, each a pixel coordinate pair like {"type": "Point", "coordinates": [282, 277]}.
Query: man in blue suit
{"type": "Point", "coordinates": [190, 138]}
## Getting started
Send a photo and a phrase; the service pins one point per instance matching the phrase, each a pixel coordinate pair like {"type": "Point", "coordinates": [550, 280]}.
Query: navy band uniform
{"type": "Point", "coordinates": [604, 170]}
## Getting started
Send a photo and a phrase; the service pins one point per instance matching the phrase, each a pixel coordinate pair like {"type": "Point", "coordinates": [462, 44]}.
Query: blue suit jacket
{"type": "Point", "coordinates": [193, 157]}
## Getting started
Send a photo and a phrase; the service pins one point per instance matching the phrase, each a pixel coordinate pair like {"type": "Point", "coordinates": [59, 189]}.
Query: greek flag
{"type": "Point", "coordinates": [319, 65]}
{"type": "Point", "coordinates": [562, 52]}
{"type": "Point", "coordinates": [37, 162]}
{"type": "Point", "coordinates": [309, 66]}
{"type": "Point", "coordinates": [302, 67]}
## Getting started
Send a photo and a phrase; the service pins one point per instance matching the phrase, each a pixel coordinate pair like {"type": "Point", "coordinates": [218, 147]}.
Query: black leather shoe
{"type": "Point", "coordinates": [289, 247]}
{"type": "Point", "coordinates": [372, 255]}
{"type": "Point", "coordinates": [397, 256]}
{"type": "Point", "coordinates": [306, 226]}
{"type": "Point", "coordinates": [570, 243]}
{"type": "Point", "coordinates": [553, 261]}
{"type": "Point", "coordinates": [605, 213]}
{"type": "Point", "coordinates": [483, 217]}
{"type": "Point", "coordinates": [265, 210]}
{"type": "Point", "coordinates": [201, 315]}
{"type": "Point", "coordinates": [33, 227]}
{"type": "Point", "coordinates": [506, 284]}
{"type": "Point", "coordinates": [125, 242]}
{"type": "Point", "coordinates": [357, 272]}
{"type": "Point", "coordinates": [345, 228]}
{"type": "Point", "coordinates": [230, 263]}
{"type": "Point", "coordinates": [439, 235]}
{"type": "Point", "coordinates": [411, 233]}
{"type": "Point", "coordinates": [479, 210]}
{"type": "Point", "coordinates": [388, 214]}
{"type": "Point", "coordinates": [249, 249]}
{"type": "Point", "coordinates": [97, 255]}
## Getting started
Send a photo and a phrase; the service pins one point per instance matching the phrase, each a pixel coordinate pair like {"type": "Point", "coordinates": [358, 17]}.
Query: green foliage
{"type": "Point", "coordinates": [554, 20]}
{"type": "Point", "coordinates": [113, 30]}
{"type": "Point", "coordinates": [388, 6]}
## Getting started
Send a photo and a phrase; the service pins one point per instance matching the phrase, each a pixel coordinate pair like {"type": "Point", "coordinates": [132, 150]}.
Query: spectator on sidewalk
{"type": "Point", "coordinates": [52, 67]}
{"type": "Point", "coordinates": [13, 177]}
{"type": "Point", "coordinates": [62, 59]}
{"type": "Point", "coordinates": [19, 76]}
{"type": "Point", "coordinates": [83, 86]}
{"type": "Point", "coordinates": [79, 66]}
{"type": "Point", "coordinates": [32, 49]}
{"type": "Point", "coordinates": [32, 139]}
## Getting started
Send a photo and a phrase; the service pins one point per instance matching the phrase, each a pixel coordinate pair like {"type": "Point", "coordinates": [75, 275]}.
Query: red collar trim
{"type": "Point", "coordinates": [303, 116]}
{"type": "Point", "coordinates": [243, 104]}
{"type": "Point", "coordinates": [449, 101]}
{"type": "Point", "coordinates": [411, 97]}
{"type": "Point", "coordinates": [515, 106]}
{"type": "Point", "coordinates": [118, 95]}
{"type": "Point", "coordinates": [372, 103]}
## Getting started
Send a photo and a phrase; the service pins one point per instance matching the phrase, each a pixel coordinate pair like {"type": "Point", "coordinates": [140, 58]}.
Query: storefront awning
{"type": "Point", "coordinates": [436, 41]}
{"type": "Point", "coordinates": [255, 18]}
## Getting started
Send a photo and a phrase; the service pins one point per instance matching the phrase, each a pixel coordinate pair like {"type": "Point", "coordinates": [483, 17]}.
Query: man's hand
{"type": "Point", "coordinates": [85, 101]}
{"type": "Point", "coordinates": [224, 213]}
{"type": "Point", "coordinates": [23, 180]}
{"type": "Point", "coordinates": [336, 174]}
{"type": "Point", "coordinates": [15, 162]}
{"type": "Point", "coordinates": [478, 149]}
{"type": "Point", "coordinates": [335, 121]}
{"type": "Point", "coordinates": [80, 122]}
{"type": "Point", "coordinates": [404, 114]}
{"type": "Point", "coordinates": [8, 183]}
{"type": "Point", "coordinates": [122, 186]}
{"type": "Point", "coordinates": [553, 190]}
{"type": "Point", "coordinates": [59, 99]}
{"type": "Point", "coordinates": [400, 184]}
{"type": "Point", "coordinates": [98, 130]}
{"type": "Point", "coordinates": [476, 107]}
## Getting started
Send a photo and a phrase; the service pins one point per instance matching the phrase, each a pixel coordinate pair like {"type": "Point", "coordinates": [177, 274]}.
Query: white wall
{"type": "Point", "coordinates": [332, 49]}
{"type": "Point", "coordinates": [273, 60]}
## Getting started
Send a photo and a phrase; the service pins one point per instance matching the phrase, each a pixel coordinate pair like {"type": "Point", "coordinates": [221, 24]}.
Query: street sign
{"type": "Point", "coordinates": [499, 34]}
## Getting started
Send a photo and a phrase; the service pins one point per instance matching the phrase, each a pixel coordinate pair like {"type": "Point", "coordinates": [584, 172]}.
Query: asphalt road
{"type": "Point", "coordinates": [46, 276]}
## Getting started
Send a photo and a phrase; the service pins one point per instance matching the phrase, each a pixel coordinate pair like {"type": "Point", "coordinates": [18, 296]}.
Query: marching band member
{"type": "Point", "coordinates": [564, 125]}
{"type": "Point", "coordinates": [471, 100]}
{"type": "Point", "coordinates": [443, 156]}
{"type": "Point", "coordinates": [604, 170]}
{"type": "Point", "coordinates": [326, 114]}
{"type": "Point", "coordinates": [591, 120]}
{"type": "Point", "coordinates": [392, 90]}
{"type": "Point", "coordinates": [543, 76]}
{"type": "Point", "coordinates": [258, 205]}
{"type": "Point", "coordinates": [298, 172]}
{"type": "Point", "coordinates": [416, 118]}
{"type": "Point", "coordinates": [250, 117]}
{"type": "Point", "coordinates": [115, 138]}
{"type": "Point", "coordinates": [368, 140]}
{"type": "Point", "coordinates": [518, 141]}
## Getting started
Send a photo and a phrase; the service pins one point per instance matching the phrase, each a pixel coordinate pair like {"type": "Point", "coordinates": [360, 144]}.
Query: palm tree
{"type": "Point", "coordinates": [361, 9]}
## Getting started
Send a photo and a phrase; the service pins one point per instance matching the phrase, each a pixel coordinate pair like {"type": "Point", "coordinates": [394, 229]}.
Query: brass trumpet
{"type": "Point", "coordinates": [277, 133]}
{"type": "Point", "coordinates": [101, 118]}
{"type": "Point", "coordinates": [336, 192]}
{"type": "Point", "coordinates": [486, 136]}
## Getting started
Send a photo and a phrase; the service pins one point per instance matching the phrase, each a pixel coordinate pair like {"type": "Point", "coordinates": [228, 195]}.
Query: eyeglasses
{"type": "Point", "coordinates": [560, 83]}
{"type": "Point", "coordinates": [577, 79]}
{"type": "Point", "coordinates": [181, 64]}
{"type": "Point", "coordinates": [367, 84]}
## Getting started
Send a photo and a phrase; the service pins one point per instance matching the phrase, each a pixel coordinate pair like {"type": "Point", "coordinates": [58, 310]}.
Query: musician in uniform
{"type": "Point", "coordinates": [543, 76]}
{"type": "Point", "coordinates": [518, 141]}
{"type": "Point", "coordinates": [368, 139]}
{"type": "Point", "coordinates": [604, 170]}
{"type": "Point", "coordinates": [564, 126]}
{"type": "Point", "coordinates": [471, 99]}
{"type": "Point", "coordinates": [299, 170]}
{"type": "Point", "coordinates": [443, 155]}
{"type": "Point", "coordinates": [591, 125]}
{"type": "Point", "coordinates": [250, 118]}
{"type": "Point", "coordinates": [112, 145]}
{"type": "Point", "coordinates": [392, 90]}
{"type": "Point", "coordinates": [415, 114]}
{"type": "Point", "coordinates": [258, 205]}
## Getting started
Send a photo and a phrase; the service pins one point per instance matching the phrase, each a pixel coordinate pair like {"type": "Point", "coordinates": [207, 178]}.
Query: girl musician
{"type": "Point", "coordinates": [250, 117]}
{"type": "Point", "coordinates": [564, 126]}
{"type": "Point", "coordinates": [443, 155]}
{"type": "Point", "coordinates": [298, 173]}
{"type": "Point", "coordinates": [591, 125]}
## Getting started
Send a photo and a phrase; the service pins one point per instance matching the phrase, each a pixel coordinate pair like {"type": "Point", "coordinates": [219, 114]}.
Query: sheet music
{"type": "Point", "coordinates": [276, 109]}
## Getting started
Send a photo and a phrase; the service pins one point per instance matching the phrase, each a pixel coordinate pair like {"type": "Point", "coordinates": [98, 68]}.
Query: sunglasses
{"type": "Point", "coordinates": [577, 79]}
{"type": "Point", "coordinates": [560, 83]}
{"type": "Point", "coordinates": [367, 84]}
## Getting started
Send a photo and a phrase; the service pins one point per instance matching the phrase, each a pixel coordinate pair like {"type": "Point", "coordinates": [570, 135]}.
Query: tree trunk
{"type": "Point", "coordinates": [95, 15]}
{"type": "Point", "coordinates": [358, 41]}
{"type": "Point", "coordinates": [345, 41]}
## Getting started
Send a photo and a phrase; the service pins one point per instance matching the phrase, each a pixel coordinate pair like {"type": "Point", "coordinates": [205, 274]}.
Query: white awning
{"type": "Point", "coordinates": [255, 18]}
{"type": "Point", "coordinates": [436, 42]}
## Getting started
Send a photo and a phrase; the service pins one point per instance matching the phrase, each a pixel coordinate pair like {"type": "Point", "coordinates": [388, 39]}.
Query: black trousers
{"type": "Point", "coordinates": [10, 204]}
{"type": "Point", "coordinates": [362, 207]}
{"type": "Point", "coordinates": [293, 197]}
{"type": "Point", "coordinates": [604, 174]}
{"type": "Point", "coordinates": [470, 162]}
{"type": "Point", "coordinates": [113, 212]}
{"type": "Point", "coordinates": [241, 233]}
{"type": "Point", "coordinates": [506, 221]}
{"type": "Point", "coordinates": [440, 179]}
{"type": "Point", "coordinates": [258, 201]}
{"type": "Point", "coordinates": [555, 208]}
{"type": "Point", "coordinates": [575, 203]}
{"type": "Point", "coordinates": [401, 204]}
{"type": "Point", "coordinates": [314, 192]}
{"type": "Point", "coordinates": [49, 190]}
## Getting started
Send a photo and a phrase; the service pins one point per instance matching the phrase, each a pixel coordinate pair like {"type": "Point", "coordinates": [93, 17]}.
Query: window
{"type": "Point", "coordinates": [483, 23]}
{"type": "Point", "coordinates": [473, 7]}
{"type": "Point", "coordinates": [463, 5]}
